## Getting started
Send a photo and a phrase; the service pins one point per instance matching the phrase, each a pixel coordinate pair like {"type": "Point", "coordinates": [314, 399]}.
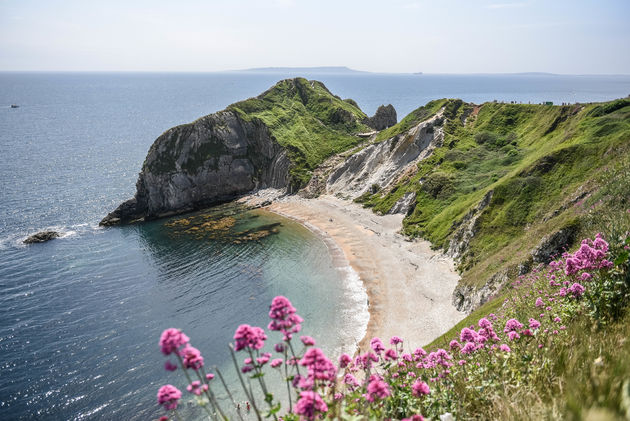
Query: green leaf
{"type": "Point", "coordinates": [621, 258]}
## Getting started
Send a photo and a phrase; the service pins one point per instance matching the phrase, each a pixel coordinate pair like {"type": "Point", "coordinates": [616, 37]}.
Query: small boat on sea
{"type": "Point", "coordinates": [15, 106]}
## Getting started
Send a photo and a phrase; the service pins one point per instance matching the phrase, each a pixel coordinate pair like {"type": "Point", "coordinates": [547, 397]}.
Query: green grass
{"type": "Point", "coordinates": [534, 158]}
{"type": "Point", "coordinates": [308, 120]}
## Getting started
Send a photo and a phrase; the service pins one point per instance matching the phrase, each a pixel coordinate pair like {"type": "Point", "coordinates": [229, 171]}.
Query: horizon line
{"type": "Point", "coordinates": [278, 69]}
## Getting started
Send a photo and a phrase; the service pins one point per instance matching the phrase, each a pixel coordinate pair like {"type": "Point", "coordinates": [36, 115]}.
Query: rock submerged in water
{"type": "Point", "coordinates": [42, 237]}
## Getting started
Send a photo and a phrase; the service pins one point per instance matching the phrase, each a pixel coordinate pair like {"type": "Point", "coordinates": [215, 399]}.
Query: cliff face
{"type": "Point", "coordinates": [379, 165]}
{"type": "Point", "coordinates": [214, 159]}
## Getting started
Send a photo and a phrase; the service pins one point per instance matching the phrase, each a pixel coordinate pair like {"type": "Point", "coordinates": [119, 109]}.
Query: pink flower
{"type": "Point", "coordinates": [577, 290]}
{"type": "Point", "coordinates": [171, 339]}
{"type": "Point", "coordinates": [585, 276]}
{"type": "Point", "coordinates": [504, 348]}
{"type": "Point", "coordinates": [539, 302]}
{"type": "Point", "coordinates": [279, 348]}
{"type": "Point", "coordinates": [377, 345]}
{"type": "Point", "coordinates": [307, 340]}
{"type": "Point", "coordinates": [318, 365]}
{"type": "Point", "coordinates": [512, 325]}
{"type": "Point", "coordinates": [390, 354]}
{"type": "Point", "coordinates": [276, 362]}
{"type": "Point", "coordinates": [168, 396]}
{"type": "Point", "coordinates": [197, 388]}
{"type": "Point", "coordinates": [310, 404]}
{"type": "Point", "coordinates": [377, 388]}
{"type": "Point", "coordinates": [192, 358]}
{"type": "Point", "coordinates": [169, 366]}
{"type": "Point", "coordinates": [534, 324]}
{"type": "Point", "coordinates": [468, 348]}
{"type": "Point", "coordinates": [344, 360]}
{"type": "Point", "coordinates": [209, 376]}
{"type": "Point", "coordinates": [247, 336]}
{"type": "Point", "coordinates": [468, 335]}
{"type": "Point", "coordinates": [420, 388]}
{"type": "Point", "coordinates": [283, 317]}
{"type": "Point", "coordinates": [513, 335]}
{"type": "Point", "coordinates": [395, 340]}
{"type": "Point", "coordinates": [262, 360]}
{"type": "Point", "coordinates": [419, 352]}
{"type": "Point", "coordinates": [485, 323]}
{"type": "Point", "coordinates": [350, 380]}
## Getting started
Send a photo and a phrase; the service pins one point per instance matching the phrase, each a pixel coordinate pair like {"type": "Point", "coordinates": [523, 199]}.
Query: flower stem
{"type": "Point", "coordinates": [216, 369]}
{"type": "Point", "coordinates": [247, 393]}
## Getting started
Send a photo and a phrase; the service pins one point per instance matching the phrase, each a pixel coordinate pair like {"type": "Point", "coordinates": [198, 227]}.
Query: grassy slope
{"type": "Point", "coordinates": [535, 158]}
{"type": "Point", "coordinates": [307, 119]}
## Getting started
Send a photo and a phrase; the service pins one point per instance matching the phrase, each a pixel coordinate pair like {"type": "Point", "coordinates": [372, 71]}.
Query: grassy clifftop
{"type": "Point", "coordinates": [307, 119]}
{"type": "Point", "coordinates": [543, 165]}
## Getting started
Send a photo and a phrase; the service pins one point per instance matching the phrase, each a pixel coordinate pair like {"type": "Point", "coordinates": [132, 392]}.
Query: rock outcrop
{"type": "Point", "coordinates": [384, 117]}
{"type": "Point", "coordinates": [405, 204]}
{"type": "Point", "coordinates": [212, 160]}
{"type": "Point", "coordinates": [552, 246]}
{"type": "Point", "coordinates": [380, 164]}
{"type": "Point", "coordinates": [467, 298]}
{"type": "Point", "coordinates": [42, 237]}
{"type": "Point", "coordinates": [466, 229]}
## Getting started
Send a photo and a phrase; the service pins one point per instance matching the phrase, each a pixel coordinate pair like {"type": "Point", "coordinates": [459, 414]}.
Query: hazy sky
{"type": "Point", "coordinates": [437, 36]}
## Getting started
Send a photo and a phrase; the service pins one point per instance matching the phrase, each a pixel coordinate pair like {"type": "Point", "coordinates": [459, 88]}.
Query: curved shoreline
{"type": "Point", "coordinates": [408, 285]}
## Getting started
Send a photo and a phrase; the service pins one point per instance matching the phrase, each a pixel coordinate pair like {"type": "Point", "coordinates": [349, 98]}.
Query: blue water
{"type": "Point", "coordinates": [80, 316]}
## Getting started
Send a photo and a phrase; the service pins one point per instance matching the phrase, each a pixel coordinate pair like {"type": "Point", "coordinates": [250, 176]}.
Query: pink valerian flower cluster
{"type": "Point", "coordinates": [171, 340]}
{"type": "Point", "coordinates": [420, 388]}
{"type": "Point", "coordinates": [247, 336]}
{"type": "Point", "coordinates": [377, 345]}
{"type": "Point", "coordinates": [169, 396]}
{"type": "Point", "coordinates": [196, 388]}
{"type": "Point", "coordinates": [191, 358]}
{"type": "Point", "coordinates": [310, 405]}
{"type": "Point", "coordinates": [318, 365]}
{"type": "Point", "coordinates": [590, 255]}
{"type": "Point", "coordinates": [377, 388]}
{"type": "Point", "coordinates": [283, 317]}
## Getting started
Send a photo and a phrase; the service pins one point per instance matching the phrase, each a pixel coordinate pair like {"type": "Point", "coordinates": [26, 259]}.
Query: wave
{"type": "Point", "coordinates": [355, 315]}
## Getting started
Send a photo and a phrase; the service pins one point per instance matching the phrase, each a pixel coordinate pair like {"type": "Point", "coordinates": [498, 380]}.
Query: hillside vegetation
{"type": "Point", "coordinates": [542, 165]}
{"type": "Point", "coordinates": [308, 120]}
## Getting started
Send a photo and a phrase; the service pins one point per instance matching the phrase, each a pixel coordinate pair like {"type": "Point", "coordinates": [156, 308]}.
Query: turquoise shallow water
{"type": "Point", "coordinates": [80, 316]}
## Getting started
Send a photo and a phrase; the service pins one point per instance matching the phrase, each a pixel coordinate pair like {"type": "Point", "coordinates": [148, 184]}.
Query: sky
{"type": "Point", "coordinates": [438, 36]}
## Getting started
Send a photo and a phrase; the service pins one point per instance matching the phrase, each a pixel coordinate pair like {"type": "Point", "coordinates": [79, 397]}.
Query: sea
{"type": "Point", "coordinates": [80, 316]}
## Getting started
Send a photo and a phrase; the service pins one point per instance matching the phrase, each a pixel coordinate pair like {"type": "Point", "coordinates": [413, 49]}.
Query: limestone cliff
{"type": "Point", "coordinates": [214, 159]}
{"type": "Point", "coordinates": [379, 165]}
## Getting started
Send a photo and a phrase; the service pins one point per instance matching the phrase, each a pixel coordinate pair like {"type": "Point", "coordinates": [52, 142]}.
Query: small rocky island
{"type": "Point", "coordinates": [41, 237]}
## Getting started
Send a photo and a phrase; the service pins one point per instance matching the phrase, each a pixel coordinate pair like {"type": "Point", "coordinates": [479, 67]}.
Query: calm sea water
{"type": "Point", "coordinates": [80, 316]}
